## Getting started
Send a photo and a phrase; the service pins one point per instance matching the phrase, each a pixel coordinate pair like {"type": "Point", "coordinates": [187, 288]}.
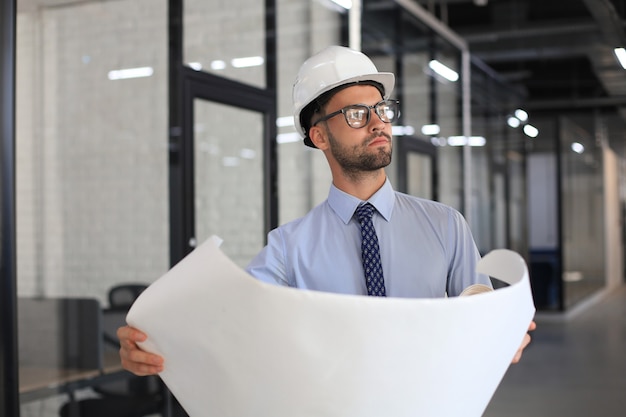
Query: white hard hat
{"type": "Point", "coordinates": [330, 68]}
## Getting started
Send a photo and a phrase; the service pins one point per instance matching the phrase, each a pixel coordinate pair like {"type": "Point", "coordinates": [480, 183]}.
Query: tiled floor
{"type": "Point", "coordinates": [575, 366]}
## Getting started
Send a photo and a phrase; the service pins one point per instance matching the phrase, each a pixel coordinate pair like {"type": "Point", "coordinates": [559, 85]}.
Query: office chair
{"type": "Point", "coordinates": [121, 297]}
{"type": "Point", "coordinates": [130, 396]}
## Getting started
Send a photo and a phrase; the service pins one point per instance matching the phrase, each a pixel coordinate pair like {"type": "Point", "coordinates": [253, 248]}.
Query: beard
{"type": "Point", "coordinates": [356, 159]}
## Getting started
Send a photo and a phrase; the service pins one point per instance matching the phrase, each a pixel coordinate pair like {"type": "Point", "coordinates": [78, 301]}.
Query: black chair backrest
{"type": "Point", "coordinates": [121, 297]}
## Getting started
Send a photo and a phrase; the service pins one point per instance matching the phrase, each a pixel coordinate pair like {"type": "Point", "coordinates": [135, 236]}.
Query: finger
{"type": "Point", "coordinates": [130, 333]}
{"type": "Point", "coordinates": [141, 362]}
{"type": "Point", "coordinates": [518, 354]}
{"type": "Point", "coordinates": [141, 369]}
{"type": "Point", "coordinates": [134, 354]}
{"type": "Point", "coordinates": [128, 344]}
{"type": "Point", "coordinates": [532, 326]}
{"type": "Point", "coordinates": [140, 356]}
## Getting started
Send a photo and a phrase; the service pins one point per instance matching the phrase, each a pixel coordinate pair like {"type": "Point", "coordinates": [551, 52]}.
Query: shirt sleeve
{"type": "Point", "coordinates": [269, 265]}
{"type": "Point", "coordinates": [464, 257]}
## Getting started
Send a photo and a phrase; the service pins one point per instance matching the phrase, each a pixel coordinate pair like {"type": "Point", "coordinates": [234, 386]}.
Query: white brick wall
{"type": "Point", "coordinates": [92, 154]}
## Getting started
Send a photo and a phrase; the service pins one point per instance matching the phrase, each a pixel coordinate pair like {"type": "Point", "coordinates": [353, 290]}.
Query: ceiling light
{"type": "Point", "coordinates": [346, 4]}
{"type": "Point", "coordinates": [284, 121]}
{"type": "Point", "coordinates": [578, 147]}
{"type": "Point", "coordinates": [444, 71]}
{"type": "Point", "coordinates": [195, 66]}
{"type": "Point", "coordinates": [521, 114]}
{"type": "Point", "coordinates": [430, 130]}
{"type": "Point", "coordinates": [218, 64]}
{"type": "Point", "coordinates": [438, 141]}
{"type": "Point", "coordinates": [402, 130]}
{"type": "Point", "coordinates": [249, 61]}
{"type": "Point", "coordinates": [462, 141]}
{"type": "Point", "coordinates": [514, 122]}
{"type": "Point", "coordinates": [247, 153]}
{"type": "Point", "coordinates": [230, 161]}
{"type": "Point", "coordinates": [531, 131]}
{"type": "Point", "coordinates": [288, 137]}
{"type": "Point", "coordinates": [620, 53]}
{"type": "Point", "coordinates": [127, 73]}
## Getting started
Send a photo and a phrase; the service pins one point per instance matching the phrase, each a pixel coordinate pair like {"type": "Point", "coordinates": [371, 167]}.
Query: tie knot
{"type": "Point", "coordinates": [365, 212]}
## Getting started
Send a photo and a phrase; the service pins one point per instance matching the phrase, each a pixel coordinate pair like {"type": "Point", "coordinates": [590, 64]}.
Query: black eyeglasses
{"type": "Point", "coordinates": [358, 115]}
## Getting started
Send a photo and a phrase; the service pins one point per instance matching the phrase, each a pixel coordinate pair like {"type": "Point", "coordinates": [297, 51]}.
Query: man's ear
{"type": "Point", "coordinates": [318, 136]}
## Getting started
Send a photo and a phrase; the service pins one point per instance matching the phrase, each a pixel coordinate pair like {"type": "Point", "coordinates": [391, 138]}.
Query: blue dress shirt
{"type": "Point", "coordinates": [427, 249]}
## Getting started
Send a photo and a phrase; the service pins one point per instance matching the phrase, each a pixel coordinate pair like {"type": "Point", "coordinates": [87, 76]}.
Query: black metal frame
{"type": "Point", "coordinates": [559, 210]}
{"type": "Point", "coordinates": [9, 384]}
{"type": "Point", "coordinates": [408, 144]}
{"type": "Point", "coordinates": [185, 85]}
{"type": "Point", "coordinates": [177, 190]}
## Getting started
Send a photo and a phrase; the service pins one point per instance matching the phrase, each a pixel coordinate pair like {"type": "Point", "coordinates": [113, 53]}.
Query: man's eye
{"type": "Point", "coordinates": [356, 114]}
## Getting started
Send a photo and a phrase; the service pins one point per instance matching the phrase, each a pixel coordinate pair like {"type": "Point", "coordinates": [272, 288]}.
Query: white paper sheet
{"type": "Point", "coordinates": [234, 346]}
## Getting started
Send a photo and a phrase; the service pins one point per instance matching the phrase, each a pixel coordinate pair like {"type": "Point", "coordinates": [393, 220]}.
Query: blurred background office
{"type": "Point", "coordinates": [141, 127]}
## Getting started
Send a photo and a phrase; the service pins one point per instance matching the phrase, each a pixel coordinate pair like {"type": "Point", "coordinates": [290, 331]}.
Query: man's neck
{"type": "Point", "coordinates": [362, 185]}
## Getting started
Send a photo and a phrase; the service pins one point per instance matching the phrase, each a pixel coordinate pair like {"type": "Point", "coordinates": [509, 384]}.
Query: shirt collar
{"type": "Point", "coordinates": [345, 204]}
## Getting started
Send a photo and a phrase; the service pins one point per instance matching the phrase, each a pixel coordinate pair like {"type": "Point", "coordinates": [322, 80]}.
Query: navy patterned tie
{"type": "Point", "coordinates": [370, 251]}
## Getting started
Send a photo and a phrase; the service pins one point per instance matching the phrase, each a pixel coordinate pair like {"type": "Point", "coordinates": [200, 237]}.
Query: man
{"type": "Point", "coordinates": [365, 238]}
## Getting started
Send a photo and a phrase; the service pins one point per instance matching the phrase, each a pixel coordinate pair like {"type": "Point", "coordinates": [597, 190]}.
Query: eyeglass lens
{"type": "Point", "coordinates": [358, 115]}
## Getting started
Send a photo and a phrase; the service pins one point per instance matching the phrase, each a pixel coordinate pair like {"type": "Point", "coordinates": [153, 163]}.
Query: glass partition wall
{"type": "Point", "coordinates": [582, 209]}
{"type": "Point", "coordinates": [92, 200]}
{"type": "Point", "coordinates": [228, 126]}
{"type": "Point", "coordinates": [566, 212]}
{"type": "Point", "coordinates": [498, 164]}
{"type": "Point", "coordinates": [91, 117]}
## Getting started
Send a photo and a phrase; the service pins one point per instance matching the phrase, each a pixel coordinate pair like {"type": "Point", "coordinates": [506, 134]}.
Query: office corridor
{"type": "Point", "coordinates": [575, 366]}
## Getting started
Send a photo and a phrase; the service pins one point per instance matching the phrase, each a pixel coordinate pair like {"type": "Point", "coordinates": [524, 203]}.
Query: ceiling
{"type": "Point", "coordinates": [559, 52]}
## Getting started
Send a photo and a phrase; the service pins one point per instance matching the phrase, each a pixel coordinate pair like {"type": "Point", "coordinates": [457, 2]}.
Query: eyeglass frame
{"type": "Point", "coordinates": [368, 118]}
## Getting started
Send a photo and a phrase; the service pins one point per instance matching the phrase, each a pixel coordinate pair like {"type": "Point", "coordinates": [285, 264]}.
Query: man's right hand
{"type": "Point", "coordinates": [133, 358]}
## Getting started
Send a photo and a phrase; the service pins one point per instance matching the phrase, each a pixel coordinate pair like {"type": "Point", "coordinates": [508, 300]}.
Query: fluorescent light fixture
{"type": "Point", "coordinates": [247, 153]}
{"type": "Point", "coordinates": [462, 141]}
{"type": "Point", "coordinates": [521, 114]}
{"type": "Point", "coordinates": [531, 131]}
{"type": "Point", "coordinates": [438, 141]}
{"type": "Point", "coordinates": [288, 137]}
{"type": "Point", "coordinates": [248, 61]}
{"type": "Point", "coordinates": [514, 122]}
{"type": "Point", "coordinates": [230, 161]}
{"type": "Point", "coordinates": [218, 64]}
{"type": "Point", "coordinates": [195, 65]}
{"type": "Point", "coordinates": [346, 4]}
{"type": "Point", "coordinates": [284, 121]}
{"type": "Point", "coordinates": [402, 130]}
{"type": "Point", "coordinates": [578, 147]}
{"type": "Point", "coordinates": [210, 148]}
{"type": "Point", "coordinates": [127, 73]}
{"type": "Point", "coordinates": [477, 141]}
{"type": "Point", "coordinates": [444, 71]}
{"type": "Point", "coordinates": [431, 130]}
{"type": "Point", "coordinates": [620, 53]}
{"type": "Point", "coordinates": [457, 141]}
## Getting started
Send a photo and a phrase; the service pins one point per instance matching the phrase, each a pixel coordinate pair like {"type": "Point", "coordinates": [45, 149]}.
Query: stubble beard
{"type": "Point", "coordinates": [356, 160]}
